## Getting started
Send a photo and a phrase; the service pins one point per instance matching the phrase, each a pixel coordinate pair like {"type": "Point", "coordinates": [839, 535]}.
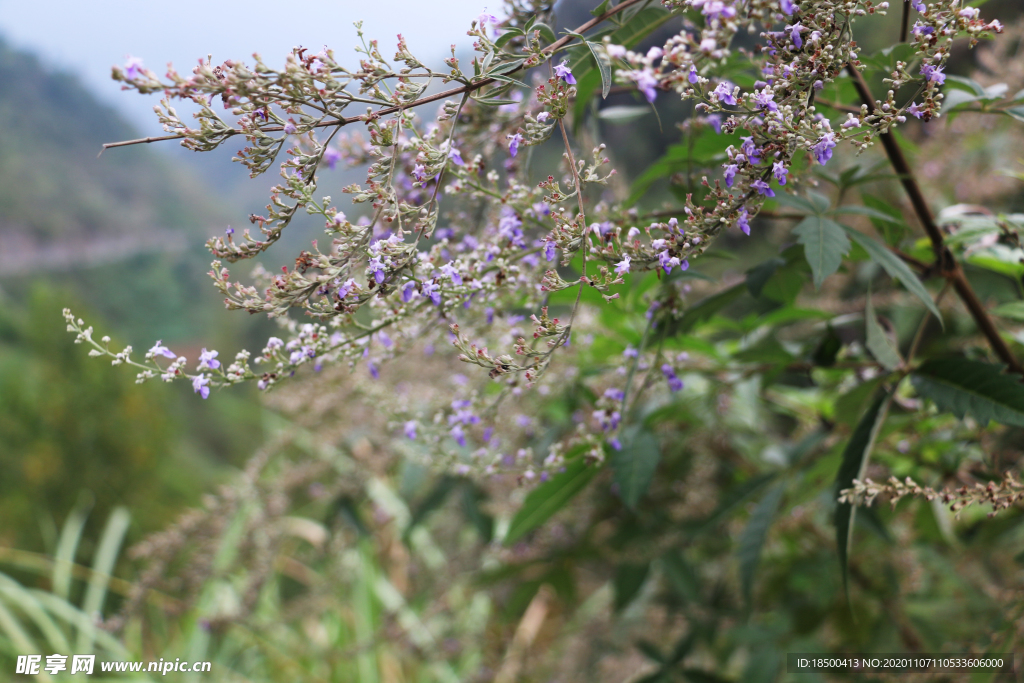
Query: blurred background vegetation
{"type": "Point", "coordinates": [372, 571]}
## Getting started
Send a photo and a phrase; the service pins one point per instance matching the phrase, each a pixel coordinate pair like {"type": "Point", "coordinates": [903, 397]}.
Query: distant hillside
{"type": "Point", "coordinates": [59, 200]}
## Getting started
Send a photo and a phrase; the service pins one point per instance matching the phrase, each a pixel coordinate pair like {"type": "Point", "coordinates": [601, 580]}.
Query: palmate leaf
{"type": "Point", "coordinates": [549, 498]}
{"type": "Point", "coordinates": [971, 387]}
{"type": "Point", "coordinates": [751, 541]}
{"type": "Point", "coordinates": [855, 460]}
{"type": "Point", "coordinates": [825, 244]}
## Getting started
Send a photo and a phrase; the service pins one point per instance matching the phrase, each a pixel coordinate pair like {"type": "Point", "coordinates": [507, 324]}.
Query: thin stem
{"type": "Point", "coordinates": [549, 50]}
{"type": "Point", "coordinates": [946, 263]}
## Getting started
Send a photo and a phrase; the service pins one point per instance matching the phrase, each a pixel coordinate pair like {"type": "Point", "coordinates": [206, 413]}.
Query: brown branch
{"type": "Point", "coordinates": [947, 264]}
{"type": "Point", "coordinates": [344, 121]}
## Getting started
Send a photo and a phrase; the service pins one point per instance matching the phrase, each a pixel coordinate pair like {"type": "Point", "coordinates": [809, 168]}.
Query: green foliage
{"type": "Point", "coordinates": [967, 387]}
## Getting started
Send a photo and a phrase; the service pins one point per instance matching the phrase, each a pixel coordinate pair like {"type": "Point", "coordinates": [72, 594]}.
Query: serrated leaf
{"type": "Point", "coordinates": [1013, 310]}
{"type": "Point", "coordinates": [634, 464]}
{"type": "Point", "coordinates": [622, 114]}
{"type": "Point", "coordinates": [549, 498]}
{"type": "Point", "coordinates": [896, 268]}
{"type": "Point", "coordinates": [878, 342]}
{"type": "Point", "coordinates": [971, 387]}
{"type": "Point", "coordinates": [751, 540]}
{"type": "Point", "coordinates": [855, 460]}
{"type": "Point", "coordinates": [825, 245]}
{"type": "Point", "coordinates": [796, 203]}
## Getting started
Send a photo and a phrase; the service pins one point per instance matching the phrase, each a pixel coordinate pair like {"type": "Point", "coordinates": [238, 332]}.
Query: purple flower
{"type": "Point", "coordinates": [563, 72]}
{"type": "Point", "coordinates": [614, 394]}
{"type": "Point", "coordinates": [743, 221]}
{"type": "Point", "coordinates": [794, 34]}
{"type": "Point", "coordinates": [377, 268]}
{"type": "Point", "coordinates": [667, 261]}
{"type": "Point", "coordinates": [160, 350]}
{"type": "Point", "coordinates": [715, 121]}
{"type": "Point", "coordinates": [762, 188]}
{"type": "Point", "coordinates": [918, 5]}
{"type": "Point", "coordinates": [432, 292]}
{"type": "Point", "coordinates": [419, 172]}
{"type": "Point", "coordinates": [452, 272]}
{"type": "Point", "coordinates": [514, 141]}
{"type": "Point", "coordinates": [674, 383]}
{"type": "Point", "coordinates": [765, 99]}
{"type": "Point", "coordinates": [933, 74]}
{"type": "Point", "coordinates": [646, 82]}
{"type": "Point", "coordinates": [730, 174]}
{"type": "Point", "coordinates": [208, 360]}
{"type": "Point", "coordinates": [132, 68]}
{"type": "Point", "coordinates": [289, 128]}
{"type": "Point", "coordinates": [723, 93]}
{"type": "Point", "coordinates": [408, 291]}
{"type": "Point", "coordinates": [332, 157]}
{"type": "Point", "coordinates": [410, 429]}
{"type": "Point", "coordinates": [630, 352]}
{"type": "Point", "coordinates": [374, 370]}
{"type": "Point", "coordinates": [615, 443]}
{"type": "Point", "coordinates": [456, 157]}
{"type": "Point", "coordinates": [787, 6]}
{"type": "Point", "coordinates": [694, 76]}
{"type": "Point", "coordinates": [199, 385]}
{"type": "Point", "coordinates": [916, 109]}
{"type": "Point", "coordinates": [549, 250]}
{"type": "Point", "coordinates": [750, 149]}
{"type": "Point", "coordinates": [385, 340]}
{"type": "Point", "coordinates": [229, 231]}
{"type": "Point", "coordinates": [780, 172]}
{"type": "Point", "coordinates": [823, 148]}
{"type": "Point", "coordinates": [921, 30]}
{"type": "Point", "coordinates": [459, 434]}
{"type": "Point", "coordinates": [623, 266]}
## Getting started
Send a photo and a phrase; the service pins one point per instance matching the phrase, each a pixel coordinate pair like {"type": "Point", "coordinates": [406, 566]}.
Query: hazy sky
{"type": "Point", "coordinates": [87, 36]}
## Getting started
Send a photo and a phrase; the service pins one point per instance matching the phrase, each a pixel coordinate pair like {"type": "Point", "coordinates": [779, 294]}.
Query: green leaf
{"type": "Point", "coordinates": [103, 568]}
{"type": "Point", "coordinates": [503, 39]}
{"type": "Point", "coordinates": [825, 245]}
{"type": "Point", "coordinates": [550, 497]}
{"type": "Point", "coordinates": [629, 579]}
{"type": "Point", "coordinates": [964, 387]}
{"type": "Point", "coordinates": [1016, 113]}
{"type": "Point", "coordinates": [865, 211]}
{"type": "Point", "coordinates": [634, 465]}
{"type": "Point", "coordinates": [878, 342]}
{"type": "Point", "coordinates": [703, 310]}
{"type": "Point", "coordinates": [1013, 310]}
{"type": "Point", "coordinates": [855, 460]}
{"type": "Point", "coordinates": [895, 266]}
{"type": "Point", "coordinates": [622, 114]}
{"type": "Point", "coordinates": [761, 273]}
{"type": "Point", "coordinates": [603, 67]}
{"type": "Point", "coordinates": [796, 203]}
{"type": "Point", "coordinates": [892, 229]}
{"type": "Point", "coordinates": [732, 500]}
{"type": "Point", "coordinates": [546, 32]}
{"type": "Point", "coordinates": [751, 540]}
{"type": "Point", "coordinates": [600, 9]}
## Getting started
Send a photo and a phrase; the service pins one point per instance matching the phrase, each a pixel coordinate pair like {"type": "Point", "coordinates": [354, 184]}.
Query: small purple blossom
{"type": "Point", "coordinates": [563, 72]}
{"type": "Point", "coordinates": [743, 221]}
{"type": "Point", "coordinates": [762, 188]}
{"type": "Point", "coordinates": [615, 443]}
{"type": "Point", "coordinates": [229, 231]}
{"type": "Point", "coordinates": [376, 268]}
{"type": "Point", "coordinates": [667, 261]}
{"type": "Point", "coordinates": [549, 250]}
{"type": "Point", "coordinates": [750, 150]}
{"type": "Point", "coordinates": [933, 74]}
{"type": "Point", "coordinates": [693, 77]}
{"type": "Point", "coordinates": [208, 360]}
{"type": "Point", "coordinates": [514, 141]}
{"type": "Point", "coordinates": [730, 174]}
{"type": "Point", "coordinates": [459, 434]}
{"type": "Point", "coordinates": [419, 172]}
{"type": "Point", "coordinates": [614, 394]}
{"type": "Point", "coordinates": [794, 34]}
{"type": "Point", "coordinates": [787, 6]}
{"type": "Point", "coordinates": [410, 429]}
{"type": "Point", "coordinates": [289, 127]}
{"type": "Point", "coordinates": [823, 148]}
{"type": "Point", "coordinates": [780, 172]}
{"type": "Point", "coordinates": [452, 273]}
{"type": "Point", "coordinates": [715, 121]}
{"type": "Point", "coordinates": [132, 68]}
{"type": "Point", "coordinates": [723, 93]}
{"type": "Point", "coordinates": [918, 5]}
{"type": "Point", "coordinates": [456, 157]}
{"type": "Point", "coordinates": [374, 370]}
{"type": "Point", "coordinates": [630, 352]}
{"type": "Point", "coordinates": [160, 350]}
{"type": "Point", "coordinates": [199, 385]}
{"type": "Point", "coordinates": [408, 290]}
{"type": "Point", "coordinates": [432, 292]}
{"type": "Point", "coordinates": [623, 266]}
{"type": "Point", "coordinates": [646, 82]}
{"type": "Point", "coordinates": [765, 99]}
{"type": "Point", "coordinates": [332, 157]}
{"type": "Point", "coordinates": [916, 109]}
{"type": "Point", "coordinates": [674, 383]}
